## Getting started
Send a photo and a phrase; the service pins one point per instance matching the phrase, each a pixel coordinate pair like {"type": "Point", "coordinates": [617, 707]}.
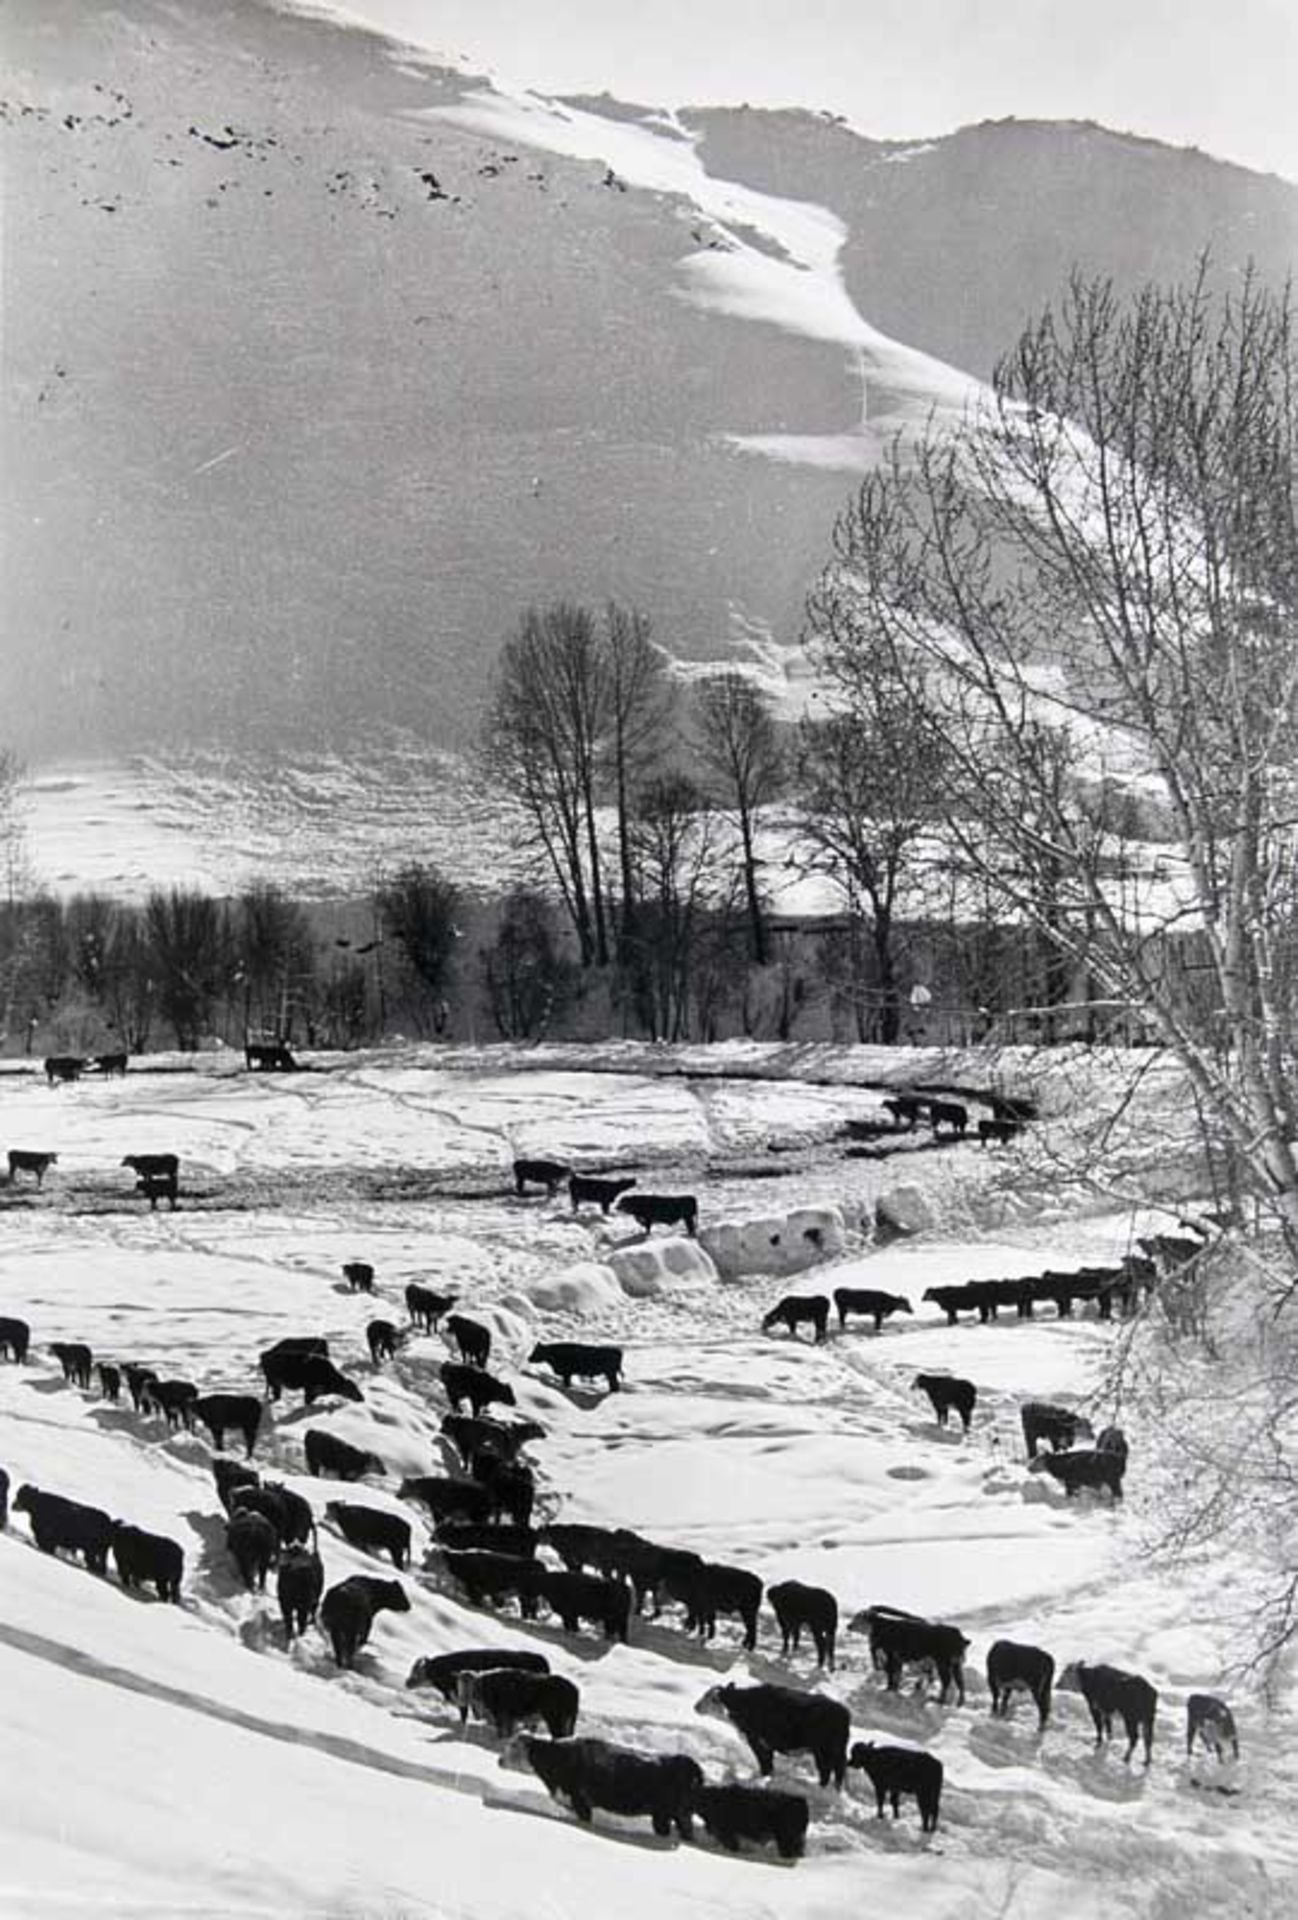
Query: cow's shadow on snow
{"type": "Point", "coordinates": [1000, 1743]}
{"type": "Point", "coordinates": [1102, 1775]}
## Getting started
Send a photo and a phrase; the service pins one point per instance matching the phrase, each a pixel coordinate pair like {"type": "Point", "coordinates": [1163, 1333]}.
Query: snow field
{"type": "Point", "coordinates": [817, 1463]}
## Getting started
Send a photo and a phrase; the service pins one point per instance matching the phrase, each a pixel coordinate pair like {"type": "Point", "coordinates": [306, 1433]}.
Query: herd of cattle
{"type": "Point", "coordinates": [485, 1542]}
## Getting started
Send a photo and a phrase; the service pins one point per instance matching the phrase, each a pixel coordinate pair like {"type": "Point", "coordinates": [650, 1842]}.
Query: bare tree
{"type": "Point", "coordinates": [869, 781]}
{"type": "Point", "coordinates": [273, 955]}
{"type": "Point", "coordinates": [640, 702]}
{"type": "Point", "coordinates": [418, 907]}
{"type": "Point", "coordinates": [527, 977]}
{"type": "Point", "coordinates": [738, 743]}
{"type": "Point", "coordinates": [678, 860]}
{"type": "Point", "coordinates": [1098, 579]}
{"type": "Point", "coordinates": [544, 739]}
{"type": "Point", "coordinates": [188, 937]}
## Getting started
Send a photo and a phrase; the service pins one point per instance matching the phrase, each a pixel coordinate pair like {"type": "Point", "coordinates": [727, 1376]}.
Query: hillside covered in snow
{"type": "Point", "coordinates": [187, 1760]}
{"type": "Point", "coordinates": [326, 360]}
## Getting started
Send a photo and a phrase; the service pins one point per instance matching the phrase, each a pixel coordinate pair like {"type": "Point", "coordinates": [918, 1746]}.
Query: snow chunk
{"type": "Point", "coordinates": [775, 1243]}
{"type": "Point", "coordinates": [646, 1271]}
{"type": "Point", "coordinates": [902, 1210]}
{"type": "Point", "coordinates": [584, 1290]}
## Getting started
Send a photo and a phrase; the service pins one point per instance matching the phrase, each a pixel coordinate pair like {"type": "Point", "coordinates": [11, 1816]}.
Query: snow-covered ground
{"type": "Point", "coordinates": [163, 1760]}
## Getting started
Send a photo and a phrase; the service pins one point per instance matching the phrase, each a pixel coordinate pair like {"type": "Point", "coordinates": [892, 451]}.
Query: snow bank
{"type": "Point", "coordinates": [775, 1243]}
{"type": "Point", "coordinates": [902, 1210]}
{"type": "Point", "coordinates": [646, 1271]}
{"type": "Point", "coordinates": [583, 1291]}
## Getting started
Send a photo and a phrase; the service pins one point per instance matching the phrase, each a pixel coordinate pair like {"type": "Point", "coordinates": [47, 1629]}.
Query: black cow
{"type": "Point", "coordinates": [585, 1596]}
{"type": "Point", "coordinates": [268, 1057]}
{"type": "Point", "coordinates": [1113, 1440]}
{"type": "Point", "coordinates": [948, 1113]}
{"type": "Point", "coordinates": [298, 1586]}
{"type": "Point", "coordinates": [471, 1338]}
{"type": "Point", "coordinates": [648, 1567]}
{"type": "Point", "coordinates": [1086, 1467]}
{"type": "Point", "coordinates": [794, 1309]}
{"type": "Point", "coordinates": [708, 1589]}
{"type": "Point", "coordinates": [579, 1544]}
{"type": "Point", "coordinates": [870, 1301]}
{"type": "Point", "coordinates": [383, 1339]}
{"type": "Point", "coordinates": [301, 1344]}
{"type": "Point", "coordinates": [59, 1524]}
{"type": "Point", "coordinates": [480, 1388]}
{"type": "Point", "coordinates": [473, 1437]}
{"type": "Point", "coordinates": [448, 1499]}
{"type": "Point", "coordinates": [110, 1065]}
{"type": "Point", "coordinates": [443, 1670]}
{"type": "Point", "coordinates": [138, 1380]}
{"type": "Point", "coordinates": [1000, 1131]}
{"type": "Point", "coordinates": [815, 1608]}
{"type": "Point", "coordinates": [511, 1487]}
{"type": "Point", "coordinates": [22, 1160]}
{"type": "Point", "coordinates": [230, 1475]}
{"type": "Point", "coordinates": [507, 1699]}
{"type": "Point", "coordinates": [64, 1067]}
{"type": "Point", "coordinates": [110, 1380]}
{"type": "Point", "coordinates": [496, 1576]}
{"type": "Point", "coordinates": [15, 1338]}
{"type": "Point", "coordinates": [309, 1374]}
{"type": "Point", "coordinates": [254, 1546]}
{"type": "Point", "coordinates": [549, 1174]}
{"type": "Point", "coordinates": [905, 1109]}
{"type": "Point", "coordinates": [1209, 1719]}
{"type": "Point", "coordinates": [952, 1300]}
{"type": "Point", "coordinates": [739, 1812]}
{"type": "Point", "coordinates": [338, 1459]}
{"type": "Point", "coordinates": [944, 1391]}
{"type": "Point", "coordinates": [1011, 1665]}
{"type": "Point", "coordinates": [174, 1399]}
{"type": "Point", "coordinates": [1059, 1425]}
{"type": "Point", "coordinates": [75, 1359]}
{"type": "Point", "coordinates": [1107, 1690]}
{"type": "Point", "coordinates": [289, 1514]}
{"type": "Point", "coordinates": [372, 1530]}
{"type": "Point", "coordinates": [359, 1275]}
{"type": "Point", "coordinates": [145, 1165]}
{"type": "Point", "coordinates": [426, 1307]}
{"type": "Point", "coordinates": [896, 1770]}
{"type": "Point", "coordinates": [785, 1720]}
{"type": "Point", "coordinates": [898, 1640]}
{"type": "Point", "coordinates": [221, 1411]}
{"type": "Point", "coordinates": [142, 1557]}
{"type": "Point", "coordinates": [569, 1358]}
{"type": "Point", "coordinates": [585, 1189]}
{"type": "Point", "coordinates": [650, 1210]}
{"type": "Point", "coordinates": [594, 1773]}
{"type": "Point", "coordinates": [347, 1612]}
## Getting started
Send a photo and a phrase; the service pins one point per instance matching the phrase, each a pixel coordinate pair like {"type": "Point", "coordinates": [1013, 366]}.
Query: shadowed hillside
{"type": "Point", "coordinates": [309, 392]}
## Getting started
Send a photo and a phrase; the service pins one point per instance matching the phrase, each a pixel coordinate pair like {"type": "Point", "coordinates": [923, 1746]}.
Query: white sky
{"type": "Point", "coordinates": [1216, 74]}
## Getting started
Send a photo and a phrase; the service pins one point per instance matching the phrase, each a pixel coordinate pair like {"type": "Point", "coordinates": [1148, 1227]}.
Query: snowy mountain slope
{"type": "Point", "coordinates": [327, 362]}
{"type": "Point", "coordinates": [243, 1778]}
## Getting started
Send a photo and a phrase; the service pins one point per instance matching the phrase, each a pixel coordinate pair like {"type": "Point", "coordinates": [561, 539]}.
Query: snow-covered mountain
{"type": "Point", "coordinates": [322, 362]}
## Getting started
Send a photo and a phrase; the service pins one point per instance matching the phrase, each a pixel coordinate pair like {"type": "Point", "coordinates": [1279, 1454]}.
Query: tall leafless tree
{"type": "Point", "coordinates": [544, 739]}
{"type": "Point", "coordinates": [738, 743]}
{"type": "Point", "coordinates": [1096, 579]}
{"type": "Point", "coordinates": [640, 704]}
